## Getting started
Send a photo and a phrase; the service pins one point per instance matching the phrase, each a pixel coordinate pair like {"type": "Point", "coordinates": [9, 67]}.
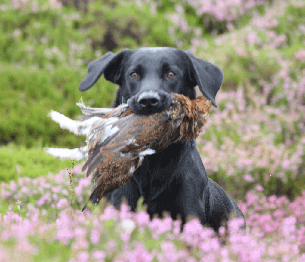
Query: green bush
{"type": "Point", "coordinates": [118, 25]}
{"type": "Point", "coordinates": [28, 95]}
{"type": "Point", "coordinates": [45, 38]}
{"type": "Point", "coordinates": [19, 161]}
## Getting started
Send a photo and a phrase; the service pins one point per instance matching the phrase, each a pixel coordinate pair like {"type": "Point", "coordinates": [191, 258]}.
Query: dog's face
{"type": "Point", "coordinates": [148, 75]}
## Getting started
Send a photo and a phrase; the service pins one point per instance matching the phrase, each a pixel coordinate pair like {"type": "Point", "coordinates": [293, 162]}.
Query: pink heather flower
{"type": "Point", "coordinates": [87, 212]}
{"type": "Point", "coordinates": [298, 210]}
{"type": "Point", "coordinates": [142, 218]}
{"type": "Point", "coordinates": [13, 186]}
{"type": "Point", "coordinates": [26, 247]}
{"type": "Point", "coordinates": [83, 183]}
{"type": "Point", "coordinates": [191, 259]}
{"type": "Point", "coordinates": [242, 206]}
{"type": "Point", "coordinates": [176, 227]}
{"type": "Point", "coordinates": [59, 178]}
{"type": "Point", "coordinates": [99, 255]}
{"type": "Point", "coordinates": [300, 55]}
{"type": "Point", "coordinates": [158, 227]}
{"type": "Point", "coordinates": [77, 169]}
{"type": "Point", "coordinates": [268, 228]}
{"type": "Point", "coordinates": [62, 203]}
{"type": "Point", "coordinates": [281, 200]}
{"type": "Point", "coordinates": [44, 199]}
{"type": "Point", "coordinates": [167, 225]}
{"type": "Point", "coordinates": [248, 178]}
{"type": "Point", "coordinates": [64, 220]}
{"type": "Point", "coordinates": [193, 231]}
{"type": "Point", "coordinates": [111, 244]}
{"type": "Point", "coordinates": [224, 255]}
{"type": "Point", "coordinates": [279, 213]}
{"type": "Point", "coordinates": [25, 190]}
{"type": "Point", "coordinates": [83, 256]}
{"type": "Point", "coordinates": [169, 252]}
{"type": "Point", "coordinates": [251, 198]}
{"type": "Point", "coordinates": [109, 213]}
{"type": "Point", "coordinates": [78, 190]}
{"type": "Point", "coordinates": [265, 220]}
{"type": "Point", "coordinates": [80, 243]}
{"type": "Point", "coordinates": [259, 188]}
{"type": "Point", "coordinates": [208, 246]}
{"type": "Point", "coordinates": [235, 224]}
{"type": "Point", "coordinates": [222, 231]}
{"type": "Point", "coordinates": [19, 4]}
{"type": "Point", "coordinates": [193, 227]}
{"type": "Point", "coordinates": [252, 38]}
{"type": "Point", "coordinates": [125, 236]}
{"type": "Point", "coordinates": [56, 189]}
{"type": "Point", "coordinates": [139, 254]}
{"type": "Point", "coordinates": [272, 199]}
{"type": "Point", "coordinates": [6, 235]}
{"type": "Point", "coordinates": [289, 227]}
{"type": "Point", "coordinates": [286, 164]}
{"type": "Point", "coordinates": [64, 235]}
{"type": "Point", "coordinates": [5, 255]}
{"type": "Point", "coordinates": [125, 212]}
{"type": "Point", "coordinates": [95, 237]}
{"type": "Point", "coordinates": [80, 232]}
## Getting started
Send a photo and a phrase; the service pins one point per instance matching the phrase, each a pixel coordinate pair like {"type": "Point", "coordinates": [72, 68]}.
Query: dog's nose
{"type": "Point", "coordinates": [147, 99]}
{"type": "Point", "coordinates": [149, 102]}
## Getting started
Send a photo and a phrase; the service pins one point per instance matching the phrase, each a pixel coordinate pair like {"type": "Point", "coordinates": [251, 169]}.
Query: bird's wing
{"type": "Point", "coordinates": [128, 137]}
{"type": "Point", "coordinates": [108, 138]}
{"type": "Point", "coordinates": [65, 153]}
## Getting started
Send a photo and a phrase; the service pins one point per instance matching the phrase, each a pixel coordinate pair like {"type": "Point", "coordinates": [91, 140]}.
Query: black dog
{"type": "Point", "coordinates": [173, 180]}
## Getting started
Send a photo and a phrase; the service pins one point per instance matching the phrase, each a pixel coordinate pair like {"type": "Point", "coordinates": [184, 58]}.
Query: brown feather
{"type": "Point", "coordinates": [117, 157]}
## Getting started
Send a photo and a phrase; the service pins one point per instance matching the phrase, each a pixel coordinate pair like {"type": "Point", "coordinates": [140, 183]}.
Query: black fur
{"type": "Point", "coordinates": [173, 180]}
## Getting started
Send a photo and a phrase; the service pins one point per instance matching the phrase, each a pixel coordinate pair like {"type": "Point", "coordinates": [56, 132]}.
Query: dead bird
{"type": "Point", "coordinates": [118, 139]}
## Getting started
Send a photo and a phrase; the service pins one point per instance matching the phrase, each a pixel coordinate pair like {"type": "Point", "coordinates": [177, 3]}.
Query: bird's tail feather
{"type": "Point", "coordinates": [74, 126]}
{"type": "Point", "coordinates": [65, 153]}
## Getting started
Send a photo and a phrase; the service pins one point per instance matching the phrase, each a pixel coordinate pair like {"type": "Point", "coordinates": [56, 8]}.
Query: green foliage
{"type": "Point", "coordinates": [30, 94]}
{"type": "Point", "coordinates": [124, 25]}
{"type": "Point", "coordinates": [44, 38]}
{"type": "Point", "coordinates": [290, 24]}
{"type": "Point", "coordinates": [18, 161]}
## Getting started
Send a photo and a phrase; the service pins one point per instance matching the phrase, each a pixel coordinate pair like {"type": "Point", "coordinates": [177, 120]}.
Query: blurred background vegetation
{"type": "Point", "coordinates": [46, 45]}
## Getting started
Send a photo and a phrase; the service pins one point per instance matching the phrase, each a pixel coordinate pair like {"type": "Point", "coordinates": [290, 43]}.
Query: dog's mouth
{"type": "Point", "coordinates": [150, 106]}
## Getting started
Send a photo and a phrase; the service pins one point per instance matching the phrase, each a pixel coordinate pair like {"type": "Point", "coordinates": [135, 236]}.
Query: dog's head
{"type": "Point", "coordinates": [146, 76]}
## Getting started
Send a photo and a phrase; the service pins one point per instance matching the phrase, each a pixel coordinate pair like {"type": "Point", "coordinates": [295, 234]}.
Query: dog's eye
{"type": "Point", "coordinates": [134, 75]}
{"type": "Point", "coordinates": [170, 75]}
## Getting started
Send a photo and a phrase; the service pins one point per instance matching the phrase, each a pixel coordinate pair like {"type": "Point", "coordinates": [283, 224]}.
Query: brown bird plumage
{"type": "Point", "coordinates": [118, 139]}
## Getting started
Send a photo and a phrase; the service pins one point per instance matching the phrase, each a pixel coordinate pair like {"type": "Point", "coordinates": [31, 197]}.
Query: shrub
{"type": "Point", "coordinates": [30, 94]}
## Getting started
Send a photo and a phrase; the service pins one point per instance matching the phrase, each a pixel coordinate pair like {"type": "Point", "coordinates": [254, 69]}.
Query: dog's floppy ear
{"type": "Point", "coordinates": [109, 64]}
{"type": "Point", "coordinates": [208, 76]}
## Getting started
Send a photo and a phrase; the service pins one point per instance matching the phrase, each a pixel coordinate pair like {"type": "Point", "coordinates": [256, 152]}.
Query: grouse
{"type": "Point", "coordinates": [118, 139]}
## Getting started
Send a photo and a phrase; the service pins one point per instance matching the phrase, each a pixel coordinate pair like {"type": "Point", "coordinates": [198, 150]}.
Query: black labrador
{"type": "Point", "coordinates": [173, 180]}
